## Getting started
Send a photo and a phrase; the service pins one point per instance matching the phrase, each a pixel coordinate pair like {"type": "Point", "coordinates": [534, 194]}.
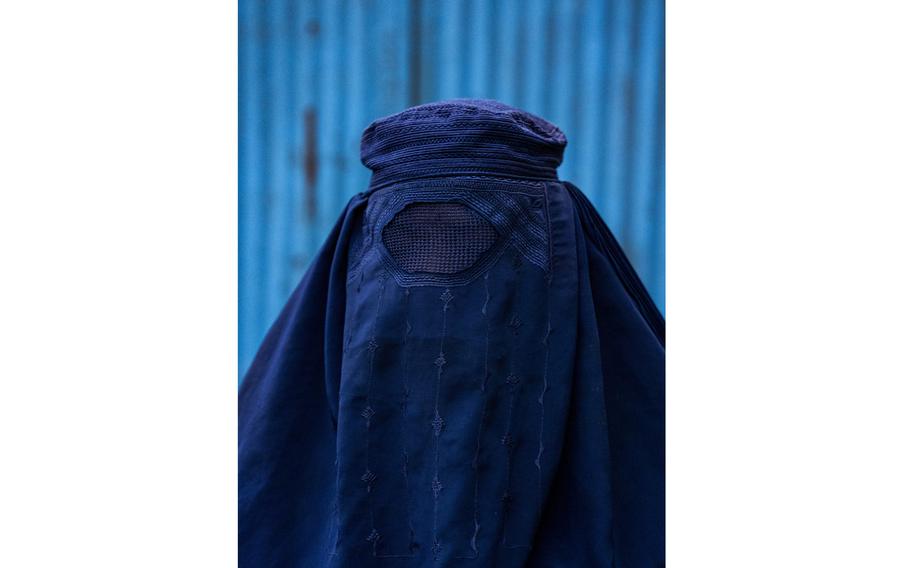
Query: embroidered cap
{"type": "Point", "coordinates": [461, 137]}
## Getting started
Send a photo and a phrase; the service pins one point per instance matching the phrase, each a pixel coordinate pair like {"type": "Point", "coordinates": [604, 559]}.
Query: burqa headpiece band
{"type": "Point", "coordinates": [461, 137]}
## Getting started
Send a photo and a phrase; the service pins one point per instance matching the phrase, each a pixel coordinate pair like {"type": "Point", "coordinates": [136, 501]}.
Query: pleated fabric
{"type": "Point", "coordinates": [469, 374]}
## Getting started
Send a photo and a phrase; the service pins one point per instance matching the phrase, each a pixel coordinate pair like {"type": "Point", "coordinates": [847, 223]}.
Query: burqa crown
{"type": "Point", "coordinates": [461, 137]}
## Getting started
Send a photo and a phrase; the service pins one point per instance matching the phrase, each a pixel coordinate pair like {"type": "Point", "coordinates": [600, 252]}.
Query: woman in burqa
{"type": "Point", "coordinates": [469, 374]}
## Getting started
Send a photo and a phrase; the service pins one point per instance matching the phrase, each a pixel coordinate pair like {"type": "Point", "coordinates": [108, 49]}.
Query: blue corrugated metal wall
{"type": "Point", "coordinates": [315, 73]}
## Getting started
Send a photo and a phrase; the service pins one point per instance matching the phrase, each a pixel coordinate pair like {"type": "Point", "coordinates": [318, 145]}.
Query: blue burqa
{"type": "Point", "coordinates": [469, 374]}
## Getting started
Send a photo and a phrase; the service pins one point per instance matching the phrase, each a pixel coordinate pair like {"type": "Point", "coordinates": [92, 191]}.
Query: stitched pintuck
{"type": "Point", "coordinates": [405, 397]}
{"type": "Point", "coordinates": [512, 381]}
{"type": "Point", "coordinates": [368, 477]}
{"type": "Point", "coordinates": [548, 278]}
{"type": "Point", "coordinates": [483, 415]}
{"type": "Point", "coordinates": [438, 423]}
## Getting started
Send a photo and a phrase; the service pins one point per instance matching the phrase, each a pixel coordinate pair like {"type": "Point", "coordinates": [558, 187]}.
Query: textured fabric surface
{"type": "Point", "coordinates": [441, 238]}
{"type": "Point", "coordinates": [511, 417]}
{"type": "Point", "coordinates": [461, 137]}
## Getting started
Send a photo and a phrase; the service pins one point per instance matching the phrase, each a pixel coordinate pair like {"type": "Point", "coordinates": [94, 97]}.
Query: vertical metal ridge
{"type": "Point", "coordinates": [248, 170]}
{"type": "Point", "coordinates": [641, 186]}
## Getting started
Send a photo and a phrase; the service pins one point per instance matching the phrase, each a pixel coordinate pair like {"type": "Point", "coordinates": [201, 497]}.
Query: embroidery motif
{"type": "Point", "coordinates": [438, 424]}
{"type": "Point", "coordinates": [437, 487]}
{"type": "Point", "coordinates": [511, 207]}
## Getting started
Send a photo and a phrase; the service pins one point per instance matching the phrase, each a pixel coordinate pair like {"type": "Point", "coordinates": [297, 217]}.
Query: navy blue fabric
{"type": "Point", "coordinates": [508, 414]}
{"type": "Point", "coordinates": [461, 137]}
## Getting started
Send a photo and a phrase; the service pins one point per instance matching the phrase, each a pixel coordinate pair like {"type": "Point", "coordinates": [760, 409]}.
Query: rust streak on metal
{"type": "Point", "coordinates": [310, 162]}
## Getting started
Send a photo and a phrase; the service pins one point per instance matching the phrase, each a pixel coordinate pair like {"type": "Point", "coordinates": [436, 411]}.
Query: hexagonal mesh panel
{"type": "Point", "coordinates": [439, 238]}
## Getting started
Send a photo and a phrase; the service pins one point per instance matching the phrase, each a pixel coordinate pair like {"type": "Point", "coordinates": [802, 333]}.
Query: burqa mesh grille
{"type": "Point", "coordinates": [442, 238]}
